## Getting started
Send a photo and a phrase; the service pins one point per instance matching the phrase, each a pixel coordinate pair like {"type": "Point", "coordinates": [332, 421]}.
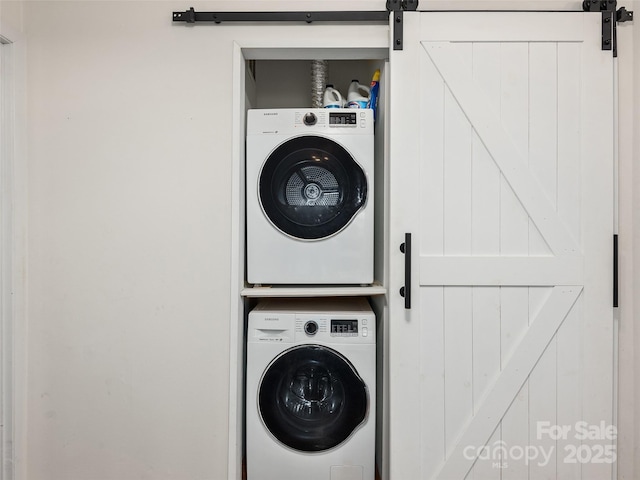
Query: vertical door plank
{"type": "Point", "coordinates": [486, 340]}
{"type": "Point", "coordinates": [486, 186]}
{"type": "Point", "coordinates": [432, 144]}
{"type": "Point", "coordinates": [542, 408]}
{"type": "Point", "coordinates": [486, 364]}
{"type": "Point", "coordinates": [569, 405]}
{"type": "Point", "coordinates": [458, 361]}
{"type": "Point", "coordinates": [514, 114]}
{"type": "Point", "coordinates": [569, 75]}
{"type": "Point", "coordinates": [457, 167]}
{"type": "Point", "coordinates": [543, 129]}
{"type": "Point", "coordinates": [485, 173]}
{"type": "Point", "coordinates": [432, 402]}
{"type": "Point", "coordinates": [514, 319]}
{"type": "Point", "coordinates": [542, 397]}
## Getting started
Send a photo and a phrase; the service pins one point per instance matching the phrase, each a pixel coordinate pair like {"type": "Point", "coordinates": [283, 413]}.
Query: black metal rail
{"type": "Point", "coordinates": [393, 6]}
{"type": "Point", "coordinates": [191, 16]}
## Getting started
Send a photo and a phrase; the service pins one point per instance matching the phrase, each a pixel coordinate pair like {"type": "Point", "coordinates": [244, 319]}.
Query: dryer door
{"type": "Point", "coordinates": [311, 398]}
{"type": "Point", "coordinates": [310, 187]}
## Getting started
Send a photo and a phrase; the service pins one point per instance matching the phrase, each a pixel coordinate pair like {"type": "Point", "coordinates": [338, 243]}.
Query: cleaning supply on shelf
{"type": "Point", "coordinates": [332, 98]}
{"type": "Point", "coordinates": [357, 95]}
{"type": "Point", "coordinates": [374, 93]}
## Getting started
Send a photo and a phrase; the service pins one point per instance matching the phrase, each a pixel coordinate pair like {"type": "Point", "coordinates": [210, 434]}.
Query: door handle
{"type": "Point", "coordinates": [406, 290]}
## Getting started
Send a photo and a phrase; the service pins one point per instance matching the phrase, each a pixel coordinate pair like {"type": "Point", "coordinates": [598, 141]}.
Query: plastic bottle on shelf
{"type": "Point", "coordinates": [332, 97]}
{"type": "Point", "coordinates": [357, 95]}
{"type": "Point", "coordinates": [374, 93]}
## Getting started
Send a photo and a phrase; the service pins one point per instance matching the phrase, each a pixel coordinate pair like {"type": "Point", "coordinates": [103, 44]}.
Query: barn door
{"type": "Point", "coordinates": [501, 168]}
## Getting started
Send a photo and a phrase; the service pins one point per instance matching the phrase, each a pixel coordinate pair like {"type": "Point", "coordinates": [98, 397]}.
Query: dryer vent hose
{"type": "Point", "coordinates": [319, 69]}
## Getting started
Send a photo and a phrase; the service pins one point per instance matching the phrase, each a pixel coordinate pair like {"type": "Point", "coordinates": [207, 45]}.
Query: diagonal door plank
{"type": "Point", "coordinates": [499, 397]}
{"type": "Point", "coordinates": [510, 160]}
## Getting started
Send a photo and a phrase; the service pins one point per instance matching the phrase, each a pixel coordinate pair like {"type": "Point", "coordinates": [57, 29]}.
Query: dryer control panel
{"type": "Point", "coordinates": [343, 118]}
{"type": "Point", "coordinates": [314, 120]}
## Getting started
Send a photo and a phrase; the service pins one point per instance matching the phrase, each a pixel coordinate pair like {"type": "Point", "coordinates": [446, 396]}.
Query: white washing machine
{"type": "Point", "coordinates": [310, 196]}
{"type": "Point", "coordinates": [310, 391]}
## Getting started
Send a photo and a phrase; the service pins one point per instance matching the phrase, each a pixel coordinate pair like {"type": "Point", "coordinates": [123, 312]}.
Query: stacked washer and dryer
{"type": "Point", "coordinates": [311, 362]}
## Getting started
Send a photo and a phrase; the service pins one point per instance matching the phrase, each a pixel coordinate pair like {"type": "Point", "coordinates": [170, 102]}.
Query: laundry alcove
{"type": "Point", "coordinates": [279, 76]}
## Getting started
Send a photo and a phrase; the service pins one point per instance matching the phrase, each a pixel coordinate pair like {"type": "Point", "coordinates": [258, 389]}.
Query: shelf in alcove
{"type": "Point", "coordinates": [313, 291]}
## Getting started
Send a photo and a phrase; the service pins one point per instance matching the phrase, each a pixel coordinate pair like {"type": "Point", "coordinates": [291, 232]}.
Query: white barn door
{"type": "Point", "coordinates": [501, 168]}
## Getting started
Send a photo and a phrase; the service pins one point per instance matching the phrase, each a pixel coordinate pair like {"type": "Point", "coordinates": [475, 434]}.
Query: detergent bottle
{"type": "Point", "coordinates": [357, 95]}
{"type": "Point", "coordinates": [332, 98]}
{"type": "Point", "coordinates": [374, 93]}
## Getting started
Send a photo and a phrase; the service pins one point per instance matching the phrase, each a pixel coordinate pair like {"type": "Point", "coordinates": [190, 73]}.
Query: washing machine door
{"type": "Point", "coordinates": [310, 187]}
{"type": "Point", "coordinates": [311, 398]}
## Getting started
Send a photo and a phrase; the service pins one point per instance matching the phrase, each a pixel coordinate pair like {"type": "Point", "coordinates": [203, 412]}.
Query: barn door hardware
{"type": "Point", "coordinates": [405, 291]}
{"type": "Point", "coordinates": [615, 270]}
{"type": "Point", "coordinates": [394, 7]}
{"type": "Point", "coordinates": [610, 19]}
{"type": "Point", "coordinates": [397, 7]}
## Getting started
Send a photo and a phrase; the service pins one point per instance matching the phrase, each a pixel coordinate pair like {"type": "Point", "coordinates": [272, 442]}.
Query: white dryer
{"type": "Point", "coordinates": [310, 391]}
{"type": "Point", "coordinates": [309, 196]}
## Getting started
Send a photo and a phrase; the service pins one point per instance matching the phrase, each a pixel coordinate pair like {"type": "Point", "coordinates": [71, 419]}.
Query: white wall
{"type": "Point", "coordinates": [11, 14]}
{"type": "Point", "coordinates": [129, 190]}
{"type": "Point", "coordinates": [129, 212]}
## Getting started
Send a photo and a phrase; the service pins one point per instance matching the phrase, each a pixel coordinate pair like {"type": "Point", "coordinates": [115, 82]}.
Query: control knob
{"type": "Point", "coordinates": [311, 328]}
{"type": "Point", "coordinates": [310, 118]}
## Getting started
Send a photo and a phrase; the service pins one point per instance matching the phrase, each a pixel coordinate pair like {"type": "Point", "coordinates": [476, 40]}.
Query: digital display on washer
{"type": "Point", "coordinates": [341, 118]}
{"type": "Point", "coordinates": [344, 327]}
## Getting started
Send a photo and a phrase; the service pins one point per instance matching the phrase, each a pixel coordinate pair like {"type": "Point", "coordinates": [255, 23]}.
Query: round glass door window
{"type": "Point", "coordinates": [311, 188]}
{"type": "Point", "coordinates": [311, 398]}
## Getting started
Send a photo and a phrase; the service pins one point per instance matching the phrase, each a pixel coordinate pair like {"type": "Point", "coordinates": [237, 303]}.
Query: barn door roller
{"type": "Point", "coordinates": [395, 7]}
{"type": "Point", "coordinates": [610, 19]}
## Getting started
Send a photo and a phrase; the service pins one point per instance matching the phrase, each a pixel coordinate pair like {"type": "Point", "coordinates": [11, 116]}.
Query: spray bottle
{"type": "Point", "coordinates": [374, 93]}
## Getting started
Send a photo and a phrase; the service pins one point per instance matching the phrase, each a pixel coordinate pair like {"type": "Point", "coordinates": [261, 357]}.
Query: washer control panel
{"type": "Point", "coordinates": [334, 328]}
{"type": "Point", "coordinates": [330, 321]}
